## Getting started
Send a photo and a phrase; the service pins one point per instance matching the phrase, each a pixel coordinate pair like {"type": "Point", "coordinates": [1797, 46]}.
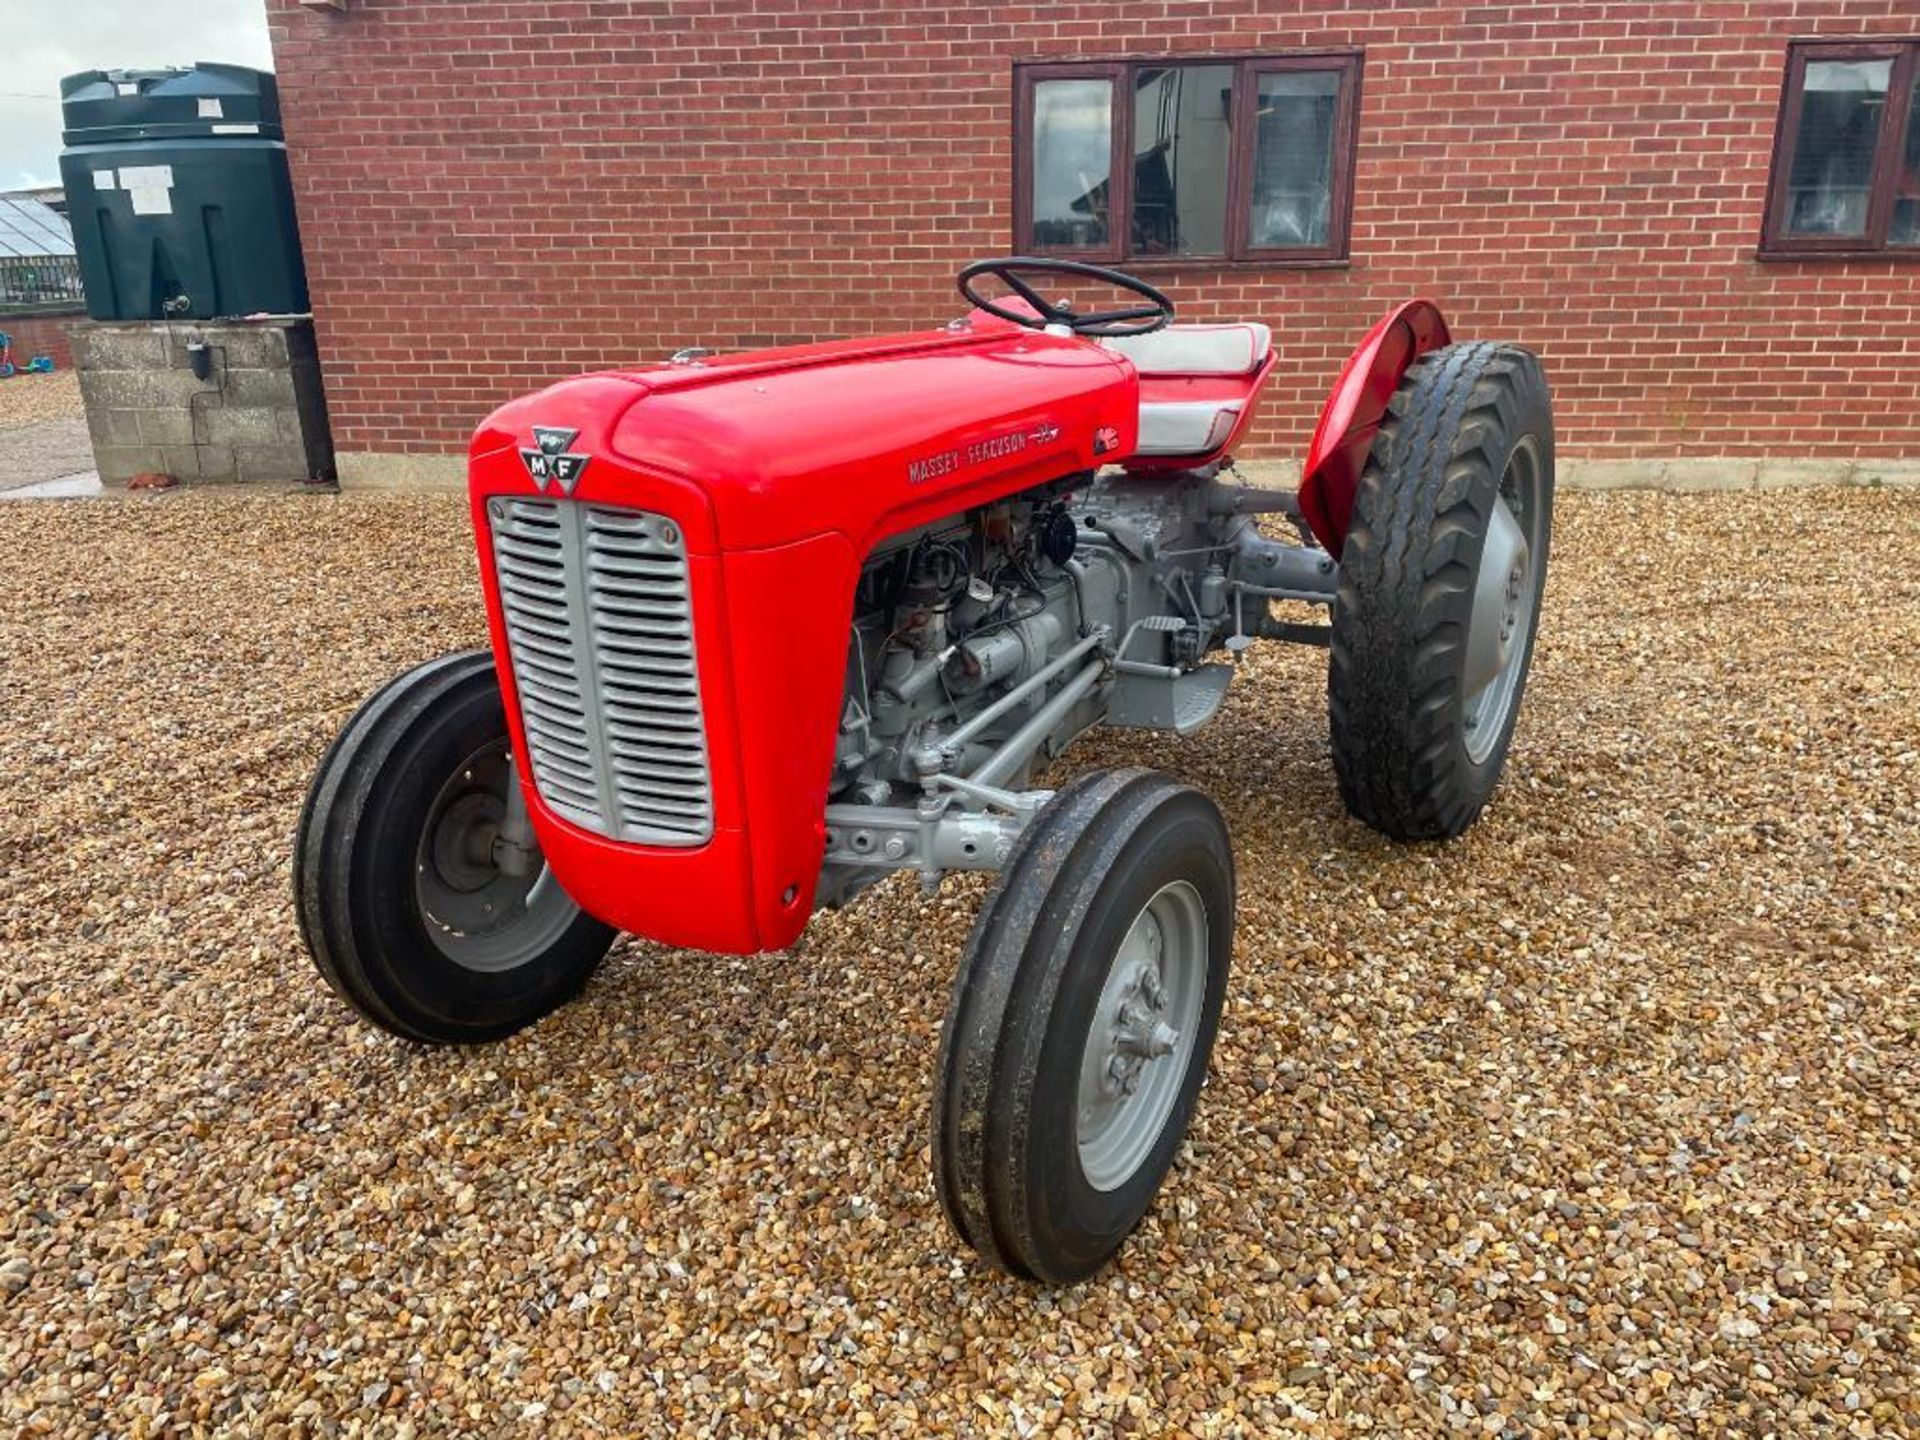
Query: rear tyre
{"type": "Point", "coordinates": [1440, 581]}
{"type": "Point", "coordinates": [1081, 1022]}
{"type": "Point", "coordinates": [400, 898]}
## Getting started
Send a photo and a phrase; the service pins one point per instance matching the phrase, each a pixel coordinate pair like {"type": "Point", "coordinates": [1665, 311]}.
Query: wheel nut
{"type": "Point", "coordinates": [1165, 1037]}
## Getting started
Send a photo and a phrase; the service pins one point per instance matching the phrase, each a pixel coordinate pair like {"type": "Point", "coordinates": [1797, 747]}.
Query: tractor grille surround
{"type": "Point", "coordinates": [599, 621]}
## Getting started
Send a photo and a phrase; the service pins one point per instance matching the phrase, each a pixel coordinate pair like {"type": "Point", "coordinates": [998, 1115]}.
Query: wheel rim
{"type": "Point", "coordinates": [476, 914]}
{"type": "Point", "coordinates": [1136, 1052]}
{"type": "Point", "coordinates": [1505, 598]}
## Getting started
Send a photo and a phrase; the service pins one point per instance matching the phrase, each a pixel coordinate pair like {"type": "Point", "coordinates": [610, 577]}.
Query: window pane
{"type": "Point", "coordinates": [1181, 148]}
{"type": "Point", "coordinates": [1831, 186]}
{"type": "Point", "coordinates": [1293, 157]}
{"type": "Point", "coordinates": [1072, 154]}
{"type": "Point", "coordinates": [1906, 188]}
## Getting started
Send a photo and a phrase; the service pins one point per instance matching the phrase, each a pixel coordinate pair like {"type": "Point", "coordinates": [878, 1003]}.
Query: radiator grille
{"type": "Point", "coordinates": [600, 635]}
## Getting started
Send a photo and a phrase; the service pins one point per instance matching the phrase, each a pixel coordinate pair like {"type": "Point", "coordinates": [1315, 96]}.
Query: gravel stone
{"type": "Point", "coordinates": [1597, 1122]}
{"type": "Point", "coordinates": [15, 1272]}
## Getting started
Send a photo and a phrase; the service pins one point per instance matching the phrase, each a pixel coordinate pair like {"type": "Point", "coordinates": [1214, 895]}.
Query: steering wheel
{"type": "Point", "coordinates": [1139, 320]}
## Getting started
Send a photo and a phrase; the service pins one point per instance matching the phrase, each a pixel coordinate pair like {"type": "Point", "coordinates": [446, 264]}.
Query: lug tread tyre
{"type": "Point", "coordinates": [336, 861]}
{"type": "Point", "coordinates": [1406, 587]}
{"type": "Point", "coordinates": [1008, 1006]}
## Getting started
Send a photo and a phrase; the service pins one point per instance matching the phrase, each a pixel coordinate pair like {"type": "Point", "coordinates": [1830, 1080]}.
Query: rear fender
{"type": "Point", "coordinates": [1353, 413]}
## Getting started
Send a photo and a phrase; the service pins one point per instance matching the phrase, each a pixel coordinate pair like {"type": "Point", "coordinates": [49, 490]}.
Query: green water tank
{"type": "Point", "coordinates": [178, 193]}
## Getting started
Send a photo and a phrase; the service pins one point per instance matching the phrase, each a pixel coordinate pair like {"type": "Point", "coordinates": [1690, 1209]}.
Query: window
{"type": "Point", "coordinates": [1846, 158]}
{"type": "Point", "coordinates": [1233, 159]}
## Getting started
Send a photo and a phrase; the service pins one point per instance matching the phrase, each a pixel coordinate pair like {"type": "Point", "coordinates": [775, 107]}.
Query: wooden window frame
{"type": "Point", "coordinates": [1775, 241]}
{"type": "Point", "coordinates": [1119, 176]}
{"type": "Point", "coordinates": [1247, 69]}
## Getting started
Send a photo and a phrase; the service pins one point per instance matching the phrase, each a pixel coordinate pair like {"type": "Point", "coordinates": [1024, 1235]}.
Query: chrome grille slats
{"type": "Point", "coordinates": [599, 622]}
{"type": "Point", "coordinates": [642, 637]}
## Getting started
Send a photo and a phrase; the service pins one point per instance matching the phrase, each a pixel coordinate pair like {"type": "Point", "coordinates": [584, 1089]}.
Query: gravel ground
{"type": "Point", "coordinates": [43, 430]}
{"type": "Point", "coordinates": [49, 450]}
{"type": "Point", "coordinates": [1598, 1121]}
{"type": "Point", "coordinates": [29, 399]}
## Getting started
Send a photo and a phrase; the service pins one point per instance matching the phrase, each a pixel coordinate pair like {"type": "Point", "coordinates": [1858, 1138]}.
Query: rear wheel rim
{"type": "Point", "coordinates": [1141, 1040]}
{"type": "Point", "coordinates": [477, 915]}
{"type": "Point", "coordinates": [1506, 599]}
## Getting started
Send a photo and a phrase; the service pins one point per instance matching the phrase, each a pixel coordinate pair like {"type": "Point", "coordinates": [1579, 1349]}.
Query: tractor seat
{"type": "Point", "coordinates": [1194, 412]}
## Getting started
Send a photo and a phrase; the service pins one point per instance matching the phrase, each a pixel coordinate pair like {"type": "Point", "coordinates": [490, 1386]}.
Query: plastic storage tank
{"type": "Point", "coordinates": [178, 192]}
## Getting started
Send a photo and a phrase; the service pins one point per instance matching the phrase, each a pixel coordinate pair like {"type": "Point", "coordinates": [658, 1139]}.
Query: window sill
{"type": "Point", "coordinates": [1163, 264]}
{"type": "Point", "coordinates": [1898, 254]}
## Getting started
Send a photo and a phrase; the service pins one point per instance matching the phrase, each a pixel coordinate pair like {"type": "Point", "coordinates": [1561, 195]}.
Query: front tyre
{"type": "Point", "coordinates": [1440, 581]}
{"type": "Point", "coordinates": [1081, 1023]}
{"type": "Point", "coordinates": [398, 886]}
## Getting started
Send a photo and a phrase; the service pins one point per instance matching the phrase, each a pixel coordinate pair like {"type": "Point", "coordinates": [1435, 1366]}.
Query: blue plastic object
{"type": "Point", "coordinates": [38, 365]}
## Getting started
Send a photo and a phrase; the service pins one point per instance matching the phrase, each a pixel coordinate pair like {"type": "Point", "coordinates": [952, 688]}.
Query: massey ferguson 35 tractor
{"type": "Point", "coordinates": [770, 627]}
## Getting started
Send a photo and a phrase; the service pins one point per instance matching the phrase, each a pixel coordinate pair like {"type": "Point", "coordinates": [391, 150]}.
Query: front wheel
{"type": "Point", "coordinates": [1081, 1023]}
{"type": "Point", "coordinates": [399, 883]}
{"type": "Point", "coordinates": [1438, 602]}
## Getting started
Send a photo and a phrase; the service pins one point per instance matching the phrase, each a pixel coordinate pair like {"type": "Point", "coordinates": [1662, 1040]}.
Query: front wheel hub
{"type": "Point", "coordinates": [1140, 1040]}
{"type": "Point", "coordinates": [478, 914]}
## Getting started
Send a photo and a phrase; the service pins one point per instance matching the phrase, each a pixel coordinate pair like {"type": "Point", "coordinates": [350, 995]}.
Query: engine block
{"type": "Point", "coordinates": [983, 646]}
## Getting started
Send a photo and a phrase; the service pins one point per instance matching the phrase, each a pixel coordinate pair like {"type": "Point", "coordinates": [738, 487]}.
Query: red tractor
{"type": "Point", "coordinates": [770, 627]}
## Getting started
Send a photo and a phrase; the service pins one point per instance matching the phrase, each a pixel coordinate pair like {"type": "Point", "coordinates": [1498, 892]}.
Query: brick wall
{"type": "Point", "coordinates": [496, 193]}
{"type": "Point", "coordinates": [41, 335]}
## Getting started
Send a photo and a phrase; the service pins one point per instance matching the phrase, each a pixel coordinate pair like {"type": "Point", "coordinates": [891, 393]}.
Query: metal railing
{"type": "Point", "coordinates": [34, 283]}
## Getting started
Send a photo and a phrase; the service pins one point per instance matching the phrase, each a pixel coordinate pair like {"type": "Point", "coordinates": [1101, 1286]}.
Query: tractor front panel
{"type": "Point", "coordinates": [670, 560]}
{"type": "Point", "coordinates": [618, 686]}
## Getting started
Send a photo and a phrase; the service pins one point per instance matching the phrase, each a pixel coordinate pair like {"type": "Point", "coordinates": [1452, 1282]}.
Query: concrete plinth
{"type": "Point", "coordinates": [258, 416]}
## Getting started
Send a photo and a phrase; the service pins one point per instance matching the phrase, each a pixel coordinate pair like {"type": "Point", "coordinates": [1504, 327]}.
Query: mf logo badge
{"type": "Point", "coordinates": [547, 459]}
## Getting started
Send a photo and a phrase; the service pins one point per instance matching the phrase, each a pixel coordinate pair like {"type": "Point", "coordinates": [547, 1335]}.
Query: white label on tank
{"type": "Point", "coordinates": [235, 129]}
{"type": "Point", "coordinates": [127, 87]}
{"type": "Point", "coordinates": [151, 187]}
{"type": "Point", "coordinates": [103, 180]}
{"type": "Point", "coordinates": [210, 110]}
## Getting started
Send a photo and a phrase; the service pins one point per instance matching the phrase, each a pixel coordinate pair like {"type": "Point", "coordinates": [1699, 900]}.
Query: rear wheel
{"type": "Point", "coordinates": [1081, 1023]}
{"type": "Point", "coordinates": [1441, 575]}
{"type": "Point", "coordinates": [402, 896]}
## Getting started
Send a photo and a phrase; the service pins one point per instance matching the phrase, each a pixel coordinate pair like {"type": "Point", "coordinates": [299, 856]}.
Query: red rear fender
{"type": "Point", "coordinates": [1353, 413]}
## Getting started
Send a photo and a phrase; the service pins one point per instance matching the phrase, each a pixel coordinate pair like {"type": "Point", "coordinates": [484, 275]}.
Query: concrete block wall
{"type": "Point", "coordinates": [259, 416]}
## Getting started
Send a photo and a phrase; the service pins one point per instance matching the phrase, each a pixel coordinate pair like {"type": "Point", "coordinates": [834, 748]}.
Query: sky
{"type": "Point", "coordinates": [42, 40]}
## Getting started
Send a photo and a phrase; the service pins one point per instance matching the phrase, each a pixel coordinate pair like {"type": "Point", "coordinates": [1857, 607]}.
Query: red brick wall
{"type": "Point", "coordinates": [40, 335]}
{"type": "Point", "coordinates": [496, 193]}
